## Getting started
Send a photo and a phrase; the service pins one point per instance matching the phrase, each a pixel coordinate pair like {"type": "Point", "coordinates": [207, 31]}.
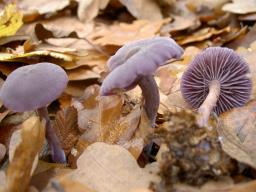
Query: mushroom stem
{"type": "Point", "coordinates": [57, 152]}
{"type": "Point", "coordinates": [151, 95]}
{"type": "Point", "coordinates": [209, 103]}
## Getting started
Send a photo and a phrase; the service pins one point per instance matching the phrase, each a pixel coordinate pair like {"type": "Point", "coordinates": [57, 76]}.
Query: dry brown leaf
{"type": "Point", "coordinates": [170, 94]}
{"type": "Point", "coordinates": [42, 6]}
{"type": "Point", "coordinates": [240, 6]}
{"type": "Point", "coordinates": [91, 59]}
{"type": "Point", "coordinates": [67, 128]}
{"type": "Point", "coordinates": [140, 190]}
{"type": "Point", "coordinates": [232, 38]}
{"type": "Point", "coordinates": [250, 55]}
{"type": "Point", "coordinates": [6, 133]}
{"type": "Point", "coordinates": [16, 118]}
{"type": "Point", "coordinates": [237, 132]}
{"type": "Point", "coordinates": [82, 73]}
{"type": "Point", "coordinates": [201, 35]}
{"type": "Point", "coordinates": [45, 171]}
{"type": "Point", "coordinates": [68, 186]}
{"type": "Point", "coordinates": [18, 172]}
{"type": "Point", "coordinates": [14, 143]}
{"type": "Point", "coordinates": [102, 120]}
{"type": "Point", "coordinates": [143, 9]}
{"type": "Point", "coordinates": [110, 169]}
{"type": "Point", "coordinates": [134, 146]}
{"type": "Point", "coordinates": [127, 126]}
{"type": "Point", "coordinates": [65, 100]}
{"type": "Point", "coordinates": [110, 111]}
{"type": "Point", "coordinates": [120, 33]}
{"type": "Point", "coordinates": [76, 88]}
{"type": "Point", "coordinates": [2, 151]}
{"type": "Point", "coordinates": [180, 23]}
{"type": "Point", "coordinates": [89, 9]}
{"type": "Point", "coordinates": [42, 33]}
{"type": "Point", "coordinates": [202, 4]}
{"type": "Point", "coordinates": [221, 186]}
{"type": "Point", "coordinates": [245, 40]}
{"type": "Point", "coordinates": [2, 181]}
{"type": "Point", "coordinates": [82, 29]}
{"type": "Point", "coordinates": [182, 17]}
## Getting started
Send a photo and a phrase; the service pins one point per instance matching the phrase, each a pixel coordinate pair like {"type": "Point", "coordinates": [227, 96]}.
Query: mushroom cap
{"type": "Point", "coordinates": [33, 86]}
{"type": "Point", "coordinates": [223, 65]}
{"type": "Point", "coordinates": [137, 59]}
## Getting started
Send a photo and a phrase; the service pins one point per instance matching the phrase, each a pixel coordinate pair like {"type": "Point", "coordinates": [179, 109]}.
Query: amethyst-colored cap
{"type": "Point", "coordinates": [33, 86]}
{"type": "Point", "coordinates": [223, 65]}
{"type": "Point", "coordinates": [137, 59]}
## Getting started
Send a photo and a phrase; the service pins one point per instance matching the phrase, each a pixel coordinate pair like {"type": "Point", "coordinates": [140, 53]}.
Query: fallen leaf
{"type": "Point", "coordinates": [143, 9]}
{"type": "Point", "coordinates": [67, 185]}
{"type": "Point", "coordinates": [182, 19]}
{"type": "Point", "coordinates": [171, 98]}
{"type": "Point", "coordinates": [201, 35]}
{"type": "Point", "coordinates": [249, 55]}
{"type": "Point", "coordinates": [82, 73]}
{"type": "Point", "coordinates": [245, 40]}
{"type": "Point", "coordinates": [89, 9]}
{"type": "Point", "coordinates": [240, 6]}
{"type": "Point", "coordinates": [18, 172]}
{"type": "Point", "coordinates": [45, 171]}
{"type": "Point", "coordinates": [237, 132]}
{"type": "Point", "coordinates": [67, 128]}
{"type": "Point", "coordinates": [220, 186]}
{"type": "Point", "coordinates": [102, 118]}
{"type": "Point", "coordinates": [201, 4]}
{"type": "Point", "coordinates": [76, 88]}
{"type": "Point", "coordinates": [6, 132]}
{"type": "Point", "coordinates": [114, 34]}
{"type": "Point", "coordinates": [134, 146]}
{"type": "Point", "coordinates": [41, 6]}
{"type": "Point", "coordinates": [9, 39]}
{"type": "Point", "coordinates": [2, 180]}
{"type": "Point", "coordinates": [110, 169]}
{"type": "Point", "coordinates": [14, 143]}
{"type": "Point", "coordinates": [180, 23]}
{"type": "Point", "coordinates": [42, 33]}
{"type": "Point", "coordinates": [5, 57]}
{"type": "Point", "coordinates": [140, 190]}
{"type": "Point", "coordinates": [2, 151]}
{"type": "Point", "coordinates": [10, 21]}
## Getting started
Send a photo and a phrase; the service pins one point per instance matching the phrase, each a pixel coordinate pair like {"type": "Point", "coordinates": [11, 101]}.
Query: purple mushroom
{"type": "Point", "coordinates": [33, 87]}
{"type": "Point", "coordinates": [135, 63]}
{"type": "Point", "coordinates": [216, 80]}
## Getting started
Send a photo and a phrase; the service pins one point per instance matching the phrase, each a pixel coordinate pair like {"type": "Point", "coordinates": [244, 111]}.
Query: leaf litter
{"type": "Point", "coordinates": [106, 138]}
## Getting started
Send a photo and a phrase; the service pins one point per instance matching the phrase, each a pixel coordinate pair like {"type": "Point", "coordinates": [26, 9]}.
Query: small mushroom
{"type": "Point", "coordinates": [135, 63]}
{"type": "Point", "coordinates": [216, 80]}
{"type": "Point", "coordinates": [33, 87]}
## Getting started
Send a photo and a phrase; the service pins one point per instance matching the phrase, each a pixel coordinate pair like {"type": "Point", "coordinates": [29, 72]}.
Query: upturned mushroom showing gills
{"type": "Point", "coordinates": [33, 87]}
{"type": "Point", "coordinates": [216, 81]}
{"type": "Point", "coordinates": [134, 64]}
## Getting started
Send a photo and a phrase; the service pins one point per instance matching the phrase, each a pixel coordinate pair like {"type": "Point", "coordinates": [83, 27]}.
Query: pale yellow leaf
{"type": "Point", "coordinates": [10, 21]}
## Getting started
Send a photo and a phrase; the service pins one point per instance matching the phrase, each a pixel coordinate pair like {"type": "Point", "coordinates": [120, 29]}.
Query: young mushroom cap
{"type": "Point", "coordinates": [135, 63]}
{"type": "Point", "coordinates": [137, 59]}
{"type": "Point", "coordinates": [146, 45]}
{"type": "Point", "coordinates": [33, 86]}
{"type": "Point", "coordinates": [224, 72]}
